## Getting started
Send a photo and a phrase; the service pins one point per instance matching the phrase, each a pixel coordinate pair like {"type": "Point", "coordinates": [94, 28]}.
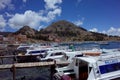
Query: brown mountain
{"type": "Point", "coordinates": [63, 25]}
{"type": "Point", "coordinates": [67, 31]}
{"type": "Point", "coordinates": [26, 30]}
{"type": "Point", "coordinates": [5, 33]}
{"type": "Point", "coordinates": [64, 31]}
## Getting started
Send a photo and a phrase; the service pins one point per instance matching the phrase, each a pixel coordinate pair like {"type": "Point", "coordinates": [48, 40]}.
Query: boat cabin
{"type": "Point", "coordinates": [105, 67]}
{"type": "Point", "coordinates": [94, 68]}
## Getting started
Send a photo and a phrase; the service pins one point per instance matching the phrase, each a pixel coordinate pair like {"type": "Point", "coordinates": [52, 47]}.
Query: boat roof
{"type": "Point", "coordinates": [89, 59]}
{"type": "Point", "coordinates": [102, 57]}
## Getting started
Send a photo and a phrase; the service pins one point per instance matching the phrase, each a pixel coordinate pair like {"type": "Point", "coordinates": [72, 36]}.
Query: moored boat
{"type": "Point", "coordinates": [104, 67]}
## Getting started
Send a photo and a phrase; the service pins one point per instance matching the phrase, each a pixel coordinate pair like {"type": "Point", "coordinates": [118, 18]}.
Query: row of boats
{"type": "Point", "coordinates": [89, 64]}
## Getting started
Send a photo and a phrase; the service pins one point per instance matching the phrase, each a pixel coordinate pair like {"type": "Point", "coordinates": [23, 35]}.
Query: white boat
{"type": "Point", "coordinates": [104, 67]}
{"type": "Point", "coordinates": [59, 53]}
{"type": "Point", "coordinates": [62, 55]}
{"type": "Point", "coordinates": [104, 51]}
{"type": "Point", "coordinates": [44, 53]}
{"type": "Point", "coordinates": [24, 47]}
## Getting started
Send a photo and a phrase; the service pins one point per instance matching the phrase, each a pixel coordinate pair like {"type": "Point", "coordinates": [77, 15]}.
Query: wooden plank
{"type": "Point", "coordinates": [6, 66]}
{"type": "Point", "coordinates": [32, 64]}
{"type": "Point", "coordinates": [35, 64]}
{"type": "Point", "coordinates": [26, 65]}
{"type": "Point", "coordinates": [11, 56]}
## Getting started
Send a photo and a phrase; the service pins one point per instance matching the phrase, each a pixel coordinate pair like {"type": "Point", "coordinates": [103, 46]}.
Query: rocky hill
{"type": "Point", "coordinates": [63, 26]}
{"type": "Point", "coordinates": [26, 30]}
{"type": "Point", "coordinates": [64, 31]}
{"type": "Point", "coordinates": [67, 31]}
{"type": "Point", "coordinates": [5, 33]}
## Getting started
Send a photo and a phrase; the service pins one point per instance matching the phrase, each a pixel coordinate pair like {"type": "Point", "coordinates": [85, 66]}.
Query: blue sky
{"type": "Point", "coordinates": [94, 15]}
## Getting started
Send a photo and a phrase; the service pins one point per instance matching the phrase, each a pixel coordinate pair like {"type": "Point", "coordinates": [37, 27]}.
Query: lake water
{"type": "Point", "coordinates": [87, 45]}
{"type": "Point", "coordinates": [111, 45]}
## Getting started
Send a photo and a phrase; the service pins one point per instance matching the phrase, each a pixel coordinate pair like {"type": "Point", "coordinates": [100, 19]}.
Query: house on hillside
{"type": "Point", "coordinates": [21, 38]}
{"type": "Point", "coordinates": [1, 37]}
{"type": "Point", "coordinates": [9, 39]}
{"type": "Point", "coordinates": [54, 38]}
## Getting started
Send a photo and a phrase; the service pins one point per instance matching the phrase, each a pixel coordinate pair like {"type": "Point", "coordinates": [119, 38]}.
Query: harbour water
{"type": "Point", "coordinates": [106, 45]}
{"type": "Point", "coordinates": [111, 45]}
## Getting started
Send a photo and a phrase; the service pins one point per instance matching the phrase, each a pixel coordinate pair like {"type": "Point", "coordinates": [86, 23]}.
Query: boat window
{"type": "Point", "coordinates": [58, 53]}
{"type": "Point", "coordinates": [79, 62]}
{"type": "Point", "coordinates": [83, 70]}
{"type": "Point", "coordinates": [109, 68]}
{"type": "Point", "coordinates": [116, 78]}
{"type": "Point", "coordinates": [76, 62]}
{"type": "Point", "coordinates": [71, 70]}
{"type": "Point", "coordinates": [80, 55]}
{"type": "Point", "coordinates": [90, 68]}
{"type": "Point", "coordinates": [33, 52]}
{"type": "Point", "coordinates": [23, 48]}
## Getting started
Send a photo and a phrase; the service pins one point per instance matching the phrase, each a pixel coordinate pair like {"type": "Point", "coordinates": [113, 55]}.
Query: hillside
{"type": "Point", "coordinates": [5, 33]}
{"type": "Point", "coordinates": [26, 30]}
{"type": "Point", "coordinates": [64, 31]}
{"type": "Point", "coordinates": [67, 31]}
{"type": "Point", "coordinates": [62, 26]}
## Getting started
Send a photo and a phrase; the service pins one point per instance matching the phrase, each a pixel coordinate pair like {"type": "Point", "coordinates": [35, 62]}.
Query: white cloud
{"type": "Point", "coordinates": [8, 14]}
{"type": "Point", "coordinates": [40, 27]}
{"type": "Point", "coordinates": [104, 32]}
{"type": "Point", "coordinates": [33, 19]}
{"type": "Point", "coordinates": [2, 23]}
{"type": "Point", "coordinates": [52, 14]}
{"type": "Point", "coordinates": [94, 30]}
{"type": "Point", "coordinates": [113, 31]}
{"type": "Point", "coordinates": [52, 4]}
{"type": "Point", "coordinates": [29, 18]}
{"type": "Point", "coordinates": [6, 3]}
{"type": "Point", "coordinates": [78, 22]}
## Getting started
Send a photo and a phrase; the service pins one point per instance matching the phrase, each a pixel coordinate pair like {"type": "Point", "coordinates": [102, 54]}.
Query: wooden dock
{"type": "Point", "coordinates": [32, 64]}
{"type": "Point", "coordinates": [26, 65]}
{"type": "Point", "coordinates": [14, 66]}
{"type": "Point", "coordinates": [12, 56]}
{"type": "Point", "coordinates": [51, 64]}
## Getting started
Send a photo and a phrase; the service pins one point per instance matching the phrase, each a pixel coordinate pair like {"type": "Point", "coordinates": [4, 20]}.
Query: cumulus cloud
{"type": "Point", "coordinates": [2, 23]}
{"type": "Point", "coordinates": [33, 19]}
{"type": "Point", "coordinates": [8, 14]}
{"type": "Point", "coordinates": [52, 4]}
{"type": "Point", "coordinates": [52, 14]}
{"type": "Point", "coordinates": [40, 27]}
{"type": "Point", "coordinates": [113, 31]}
{"type": "Point", "coordinates": [6, 3]}
{"type": "Point", "coordinates": [94, 30]}
{"type": "Point", "coordinates": [78, 22]}
{"type": "Point", "coordinates": [29, 18]}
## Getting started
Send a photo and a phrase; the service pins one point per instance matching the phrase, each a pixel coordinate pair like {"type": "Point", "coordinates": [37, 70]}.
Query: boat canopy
{"type": "Point", "coordinates": [90, 60]}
